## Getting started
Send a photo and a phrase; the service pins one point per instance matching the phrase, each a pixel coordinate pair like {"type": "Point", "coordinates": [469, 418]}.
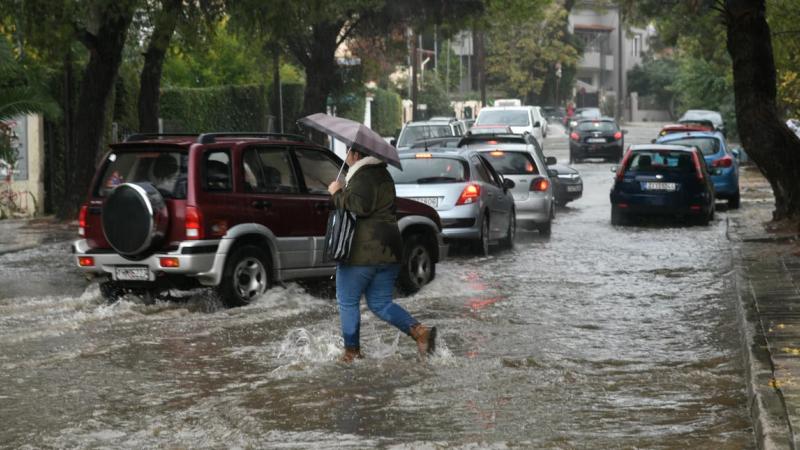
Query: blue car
{"type": "Point", "coordinates": [722, 162]}
{"type": "Point", "coordinates": [663, 180]}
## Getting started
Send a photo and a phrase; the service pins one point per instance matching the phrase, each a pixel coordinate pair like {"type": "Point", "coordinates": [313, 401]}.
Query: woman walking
{"type": "Point", "coordinates": [374, 261]}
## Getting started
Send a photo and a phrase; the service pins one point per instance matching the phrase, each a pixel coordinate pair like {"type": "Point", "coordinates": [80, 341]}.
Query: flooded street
{"type": "Point", "coordinates": [596, 337]}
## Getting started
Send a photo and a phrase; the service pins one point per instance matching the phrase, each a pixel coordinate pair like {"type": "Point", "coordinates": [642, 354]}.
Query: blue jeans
{"type": "Point", "coordinates": [377, 284]}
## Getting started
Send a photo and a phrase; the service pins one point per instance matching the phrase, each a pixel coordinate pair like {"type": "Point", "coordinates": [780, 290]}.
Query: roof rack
{"type": "Point", "coordinates": [136, 137]}
{"type": "Point", "coordinates": [210, 138]}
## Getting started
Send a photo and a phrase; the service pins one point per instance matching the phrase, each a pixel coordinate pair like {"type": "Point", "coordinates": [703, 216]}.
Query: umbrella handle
{"type": "Point", "coordinates": [343, 164]}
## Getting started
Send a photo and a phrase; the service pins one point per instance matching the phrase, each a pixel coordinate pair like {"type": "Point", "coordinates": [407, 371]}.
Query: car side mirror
{"type": "Point", "coordinates": [624, 131]}
{"type": "Point", "coordinates": [393, 142]}
{"type": "Point", "coordinates": [508, 184]}
{"type": "Point", "coordinates": [537, 124]}
{"type": "Point", "coordinates": [652, 141]}
{"type": "Point", "coordinates": [737, 152]}
{"type": "Point", "coordinates": [552, 173]}
{"type": "Point", "coordinates": [550, 160]}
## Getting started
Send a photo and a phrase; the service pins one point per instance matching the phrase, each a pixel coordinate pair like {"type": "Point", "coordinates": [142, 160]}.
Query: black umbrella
{"type": "Point", "coordinates": [355, 135]}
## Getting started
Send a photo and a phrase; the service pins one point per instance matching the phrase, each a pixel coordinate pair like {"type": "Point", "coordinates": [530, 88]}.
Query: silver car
{"type": "Point", "coordinates": [474, 201]}
{"type": "Point", "coordinates": [533, 190]}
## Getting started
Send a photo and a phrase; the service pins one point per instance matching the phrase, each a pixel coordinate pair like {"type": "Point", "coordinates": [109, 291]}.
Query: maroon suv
{"type": "Point", "coordinates": [234, 211]}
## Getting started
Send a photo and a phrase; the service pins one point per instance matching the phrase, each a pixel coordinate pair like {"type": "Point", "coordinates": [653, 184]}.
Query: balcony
{"type": "Point", "coordinates": [591, 61]}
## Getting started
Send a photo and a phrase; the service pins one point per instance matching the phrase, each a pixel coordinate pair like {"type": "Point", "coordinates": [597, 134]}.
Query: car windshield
{"type": "Point", "coordinates": [707, 145]}
{"type": "Point", "coordinates": [164, 170]}
{"type": "Point", "coordinates": [588, 113]}
{"type": "Point", "coordinates": [597, 126]}
{"type": "Point", "coordinates": [661, 161]}
{"type": "Point", "coordinates": [512, 163]}
{"type": "Point", "coordinates": [430, 170]}
{"type": "Point", "coordinates": [514, 118]}
{"type": "Point", "coordinates": [416, 133]}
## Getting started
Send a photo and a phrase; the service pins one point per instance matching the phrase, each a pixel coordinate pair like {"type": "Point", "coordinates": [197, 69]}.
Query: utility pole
{"type": "Point", "coordinates": [558, 79]}
{"type": "Point", "coordinates": [620, 67]}
{"type": "Point", "coordinates": [414, 87]}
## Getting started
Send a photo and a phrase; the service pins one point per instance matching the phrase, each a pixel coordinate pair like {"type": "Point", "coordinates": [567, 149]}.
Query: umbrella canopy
{"type": "Point", "coordinates": [356, 135]}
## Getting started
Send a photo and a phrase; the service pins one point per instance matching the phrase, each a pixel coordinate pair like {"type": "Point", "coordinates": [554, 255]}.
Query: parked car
{"type": "Point", "coordinates": [429, 129]}
{"type": "Point", "coordinates": [507, 102]}
{"type": "Point", "coordinates": [667, 180]}
{"type": "Point", "coordinates": [426, 144]}
{"type": "Point", "coordinates": [567, 184]}
{"type": "Point", "coordinates": [472, 199]}
{"type": "Point", "coordinates": [537, 210]}
{"type": "Point", "coordinates": [698, 116]}
{"type": "Point", "coordinates": [722, 161]}
{"type": "Point", "coordinates": [554, 114]}
{"type": "Point", "coordinates": [596, 138]}
{"type": "Point", "coordinates": [237, 212]}
{"type": "Point", "coordinates": [459, 126]}
{"type": "Point", "coordinates": [521, 119]}
{"type": "Point", "coordinates": [581, 114]}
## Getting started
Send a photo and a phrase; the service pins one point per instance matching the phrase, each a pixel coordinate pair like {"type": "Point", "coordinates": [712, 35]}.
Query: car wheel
{"type": "Point", "coordinates": [482, 244]}
{"type": "Point", "coordinates": [561, 203]}
{"type": "Point", "coordinates": [417, 268]}
{"type": "Point", "coordinates": [546, 228]}
{"type": "Point", "coordinates": [511, 234]}
{"type": "Point", "coordinates": [111, 291]}
{"type": "Point", "coordinates": [247, 275]}
{"type": "Point", "coordinates": [735, 201]}
{"type": "Point", "coordinates": [617, 216]}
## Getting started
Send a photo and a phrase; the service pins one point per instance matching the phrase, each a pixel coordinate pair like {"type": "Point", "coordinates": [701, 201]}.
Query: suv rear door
{"type": "Point", "coordinates": [274, 200]}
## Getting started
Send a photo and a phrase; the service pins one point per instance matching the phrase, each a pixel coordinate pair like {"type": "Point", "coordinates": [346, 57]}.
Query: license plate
{"type": "Point", "coordinates": [132, 273]}
{"type": "Point", "coordinates": [596, 140]}
{"type": "Point", "coordinates": [430, 201]}
{"type": "Point", "coordinates": [573, 188]}
{"type": "Point", "coordinates": [660, 186]}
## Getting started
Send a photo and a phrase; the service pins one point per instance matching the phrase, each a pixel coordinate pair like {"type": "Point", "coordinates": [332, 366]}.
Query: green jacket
{"type": "Point", "coordinates": [370, 194]}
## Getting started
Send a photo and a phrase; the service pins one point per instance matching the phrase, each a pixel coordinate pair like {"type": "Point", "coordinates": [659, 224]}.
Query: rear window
{"type": "Point", "coordinates": [417, 133]}
{"type": "Point", "coordinates": [430, 170]}
{"type": "Point", "coordinates": [707, 145]}
{"type": "Point", "coordinates": [597, 126]}
{"type": "Point", "coordinates": [514, 118]}
{"type": "Point", "coordinates": [661, 161]}
{"type": "Point", "coordinates": [512, 163]}
{"type": "Point", "coordinates": [166, 170]}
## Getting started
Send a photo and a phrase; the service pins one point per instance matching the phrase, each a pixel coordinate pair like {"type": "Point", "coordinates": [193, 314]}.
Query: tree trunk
{"type": "Point", "coordinates": [415, 115]}
{"type": "Point", "coordinates": [767, 140]}
{"type": "Point", "coordinates": [320, 67]}
{"type": "Point", "coordinates": [150, 80]}
{"type": "Point", "coordinates": [105, 50]}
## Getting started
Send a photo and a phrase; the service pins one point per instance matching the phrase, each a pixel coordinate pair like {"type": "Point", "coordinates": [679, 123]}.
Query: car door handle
{"type": "Point", "coordinates": [261, 204]}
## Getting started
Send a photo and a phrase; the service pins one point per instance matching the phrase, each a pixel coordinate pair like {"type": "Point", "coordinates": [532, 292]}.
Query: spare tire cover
{"type": "Point", "coordinates": [135, 218]}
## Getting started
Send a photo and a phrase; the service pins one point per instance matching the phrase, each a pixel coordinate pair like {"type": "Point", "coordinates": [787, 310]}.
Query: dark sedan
{"type": "Point", "coordinates": [665, 180]}
{"type": "Point", "coordinates": [567, 184]}
{"type": "Point", "coordinates": [596, 138]}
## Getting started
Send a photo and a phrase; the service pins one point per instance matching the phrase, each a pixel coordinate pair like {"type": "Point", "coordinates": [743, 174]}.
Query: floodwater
{"type": "Point", "coordinates": [597, 337]}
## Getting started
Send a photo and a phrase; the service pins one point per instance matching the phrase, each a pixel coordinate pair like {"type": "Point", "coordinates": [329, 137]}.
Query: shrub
{"type": "Point", "coordinates": [223, 108]}
{"type": "Point", "coordinates": [387, 112]}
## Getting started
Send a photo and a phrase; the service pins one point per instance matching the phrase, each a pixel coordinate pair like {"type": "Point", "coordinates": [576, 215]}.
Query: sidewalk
{"type": "Point", "coordinates": [767, 269]}
{"type": "Point", "coordinates": [22, 234]}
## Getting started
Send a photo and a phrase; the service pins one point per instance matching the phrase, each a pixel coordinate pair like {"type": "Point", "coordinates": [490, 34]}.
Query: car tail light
{"type": "Point", "coordinates": [574, 136]}
{"type": "Point", "coordinates": [621, 168]}
{"type": "Point", "coordinates": [725, 161]}
{"type": "Point", "coordinates": [618, 135]}
{"type": "Point", "coordinates": [697, 167]}
{"type": "Point", "coordinates": [469, 194]}
{"type": "Point", "coordinates": [423, 155]}
{"type": "Point", "coordinates": [86, 261]}
{"type": "Point", "coordinates": [497, 153]}
{"type": "Point", "coordinates": [82, 220]}
{"type": "Point", "coordinates": [194, 223]}
{"type": "Point", "coordinates": [169, 261]}
{"type": "Point", "coordinates": [540, 184]}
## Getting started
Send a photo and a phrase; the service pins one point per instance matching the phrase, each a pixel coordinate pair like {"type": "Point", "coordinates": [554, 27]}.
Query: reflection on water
{"type": "Point", "coordinates": [598, 336]}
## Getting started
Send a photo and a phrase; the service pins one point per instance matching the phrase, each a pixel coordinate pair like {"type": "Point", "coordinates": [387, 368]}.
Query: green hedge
{"type": "Point", "coordinates": [387, 113]}
{"type": "Point", "coordinates": [223, 108]}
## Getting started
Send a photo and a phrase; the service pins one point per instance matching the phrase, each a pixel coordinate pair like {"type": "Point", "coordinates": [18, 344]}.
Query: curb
{"type": "Point", "coordinates": [766, 404]}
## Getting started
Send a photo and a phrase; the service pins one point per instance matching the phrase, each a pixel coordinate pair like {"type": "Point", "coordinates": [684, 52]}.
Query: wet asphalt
{"type": "Point", "coordinates": [596, 337]}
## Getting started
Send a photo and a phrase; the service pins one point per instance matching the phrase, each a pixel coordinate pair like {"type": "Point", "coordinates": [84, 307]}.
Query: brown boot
{"type": "Point", "coordinates": [425, 337]}
{"type": "Point", "coordinates": [351, 353]}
